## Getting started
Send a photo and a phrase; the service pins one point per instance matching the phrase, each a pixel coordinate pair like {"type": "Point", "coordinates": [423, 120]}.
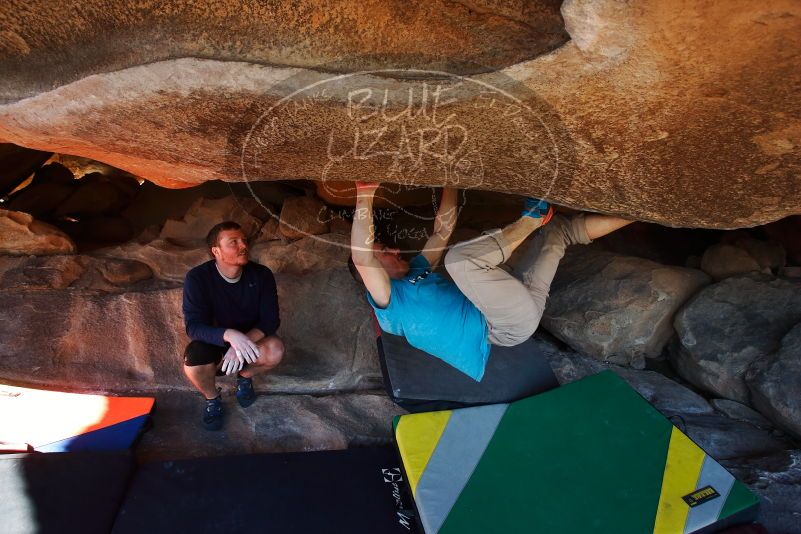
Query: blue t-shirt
{"type": "Point", "coordinates": [434, 316]}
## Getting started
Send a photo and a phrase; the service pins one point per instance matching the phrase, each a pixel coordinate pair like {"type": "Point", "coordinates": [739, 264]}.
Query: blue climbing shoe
{"type": "Point", "coordinates": [213, 413]}
{"type": "Point", "coordinates": [244, 392]}
{"type": "Point", "coordinates": [537, 209]}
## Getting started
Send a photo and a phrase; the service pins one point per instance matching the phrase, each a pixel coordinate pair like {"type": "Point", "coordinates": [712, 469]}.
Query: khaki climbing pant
{"type": "Point", "coordinates": [513, 303]}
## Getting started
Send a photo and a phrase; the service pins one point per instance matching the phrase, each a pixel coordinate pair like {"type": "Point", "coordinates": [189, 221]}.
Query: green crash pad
{"type": "Point", "coordinates": [591, 456]}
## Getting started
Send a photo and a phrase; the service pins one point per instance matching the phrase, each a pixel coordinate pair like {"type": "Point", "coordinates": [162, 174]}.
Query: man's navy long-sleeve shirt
{"type": "Point", "coordinates": [212, 305]}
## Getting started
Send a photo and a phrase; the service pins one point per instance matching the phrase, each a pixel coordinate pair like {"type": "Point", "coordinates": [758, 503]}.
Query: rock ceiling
{"type": "Point", "coordinates": [685, 114]}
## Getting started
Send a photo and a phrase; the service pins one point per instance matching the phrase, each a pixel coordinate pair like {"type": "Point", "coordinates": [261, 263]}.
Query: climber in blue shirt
{"type": "Point", "coordinates": [485, 304]}
{"type": "Point", "coordinates": [230, 307]}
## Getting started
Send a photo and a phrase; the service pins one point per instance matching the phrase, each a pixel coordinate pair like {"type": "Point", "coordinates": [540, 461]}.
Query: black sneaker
{"type": "Point", "coordinates": [213, 414]}
{"type": "Point", "coordinates": [244, 392]}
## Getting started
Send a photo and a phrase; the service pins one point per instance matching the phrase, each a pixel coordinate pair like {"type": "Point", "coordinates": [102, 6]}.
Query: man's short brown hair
{"type": "Point", "coordinates": [213, 237]}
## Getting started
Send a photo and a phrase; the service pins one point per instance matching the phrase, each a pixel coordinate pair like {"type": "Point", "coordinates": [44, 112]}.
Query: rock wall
{"type": "Point", "coordinates": [111, 320]}
{"type": "Point", "coordinates": [617, 308]}
{"type": "Point", "coordinates": [650, 110]}
{"type": "Point", "coordinates": [132, 339]}
{"type": "Point", "coordinates": [682, 114]}
{"type": "Point", "coordinates": [730, 330]}
{"type": "Point", "coordinates": [22, 234]}
{"type": "Point", "coordinates": [97, 36]}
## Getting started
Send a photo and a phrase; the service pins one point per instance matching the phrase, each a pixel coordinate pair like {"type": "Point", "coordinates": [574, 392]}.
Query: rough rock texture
{"type": "Point", "coordinates": [167, 260]}
{"type": "Point", "coordinates": [22, 234]}
{"type": "Point", "coordinates": [739, 253]}
{"type": "Point", "coordinates": [652, 109]}
{"type": "Point", "coordinates": [730, 325]}
{"type": "Point", "coordinates": [102, 35]}
{"type": "Point", "coordinates": [84, 339]}
{"type": "Point", "coordinates": [768, 254]}
{"type": "Point", "coordinates": [274, 423]}
{"type": "Point", "coordinates": [18, 164]}
{"type": "Point", "coordinates": [44, 272]}
{"type": "Point", "coordinates": [106, 322]}
{"type": "Point", "coordinates": [123, 273]}
{"type": "Point", "coordinates": [80, 167]}
{"type": "Point", "coordinates": [154, 205]}
{"type": "Point", "coordinates": [723, 261]}
{"type": "Point", "coordinates": [775, 383]}
{"type": "Point", "coordinates": [741, 412]}
{"type": "Point", "coordinates": [667, 396]}
{"type": "Point", "coordinates": [312, 253]}
{"type": "Point", "coordinates": [669, 246]}
{"type": "Point", "coordinates": [77, 272]}
{"type": "Point", "coordinates": [343, 193]}
{"type": "Point", "coordinates": [725, 438]}
{"type": "Point", "coordinates": [96, 194]}
{"type": "Point", "coordinates": [205, 213]}
{"type": "Point", "coordinates": [180, 244]}
{"type": "Point", "coordinates": [170, 261]}
{"type": "Point", "coordinates": [133, 340]}
{"type": "Point", "coordinates": [776, 479]}
{"type": "Point", "coordinates": [335, 353]}
{"type": "Point", "coordinates": [720, 435]}
{"type": "Point", "coordinates": [617, 308]}
{"type": "Point", "coordinates": [302, 216]}
{"type": "Point", "coordinates": [50, 186]}
{"type": "Point", "coordinates": [269, 232]}
{"type": "Point", "coordinates": [791, 272]}
{"type": "Point", "coordinates": [343, 227]}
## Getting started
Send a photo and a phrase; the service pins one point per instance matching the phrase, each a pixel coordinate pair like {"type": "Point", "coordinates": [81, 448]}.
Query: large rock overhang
{"type": "Point", "coordinates": [653, 110]}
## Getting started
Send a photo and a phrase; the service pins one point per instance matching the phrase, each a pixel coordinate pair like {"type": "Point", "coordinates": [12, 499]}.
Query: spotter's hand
{"type": "Point", "coordinates": [232, 362]}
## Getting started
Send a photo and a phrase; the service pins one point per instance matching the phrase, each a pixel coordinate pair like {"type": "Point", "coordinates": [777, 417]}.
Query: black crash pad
{"type": "Point", "coordinates": [418, 381]}
{"type": "Point", "coordinates": [353, 491]}
{"type": "Point", "coordinates": [62, 492]}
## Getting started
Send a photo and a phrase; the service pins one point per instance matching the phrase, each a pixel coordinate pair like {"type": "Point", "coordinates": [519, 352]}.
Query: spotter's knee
{"type": "Point", "coordinates": [271, 352]}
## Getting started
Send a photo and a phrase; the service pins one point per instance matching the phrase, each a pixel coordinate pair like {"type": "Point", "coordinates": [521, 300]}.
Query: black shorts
{"type": "Point", "coordinates": [200, 353]}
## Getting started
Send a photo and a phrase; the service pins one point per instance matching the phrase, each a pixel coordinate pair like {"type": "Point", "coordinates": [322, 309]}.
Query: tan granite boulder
{"type": "Point", "coordinates": [95, 36]}
{"type": "Point", "coordinates": [205, 213]}
{"type": "Point", "coordinates": [166, 259]}
{"type": "Point", "coordinates": [72, 271]}
{"type": "Point", "coordinates": [617, 308]}
{"type": "Point", "coordinates": [733, 325]}
{"type": "Point", "coordinates": [45, 272]}
{"type": "Point", "coordinates": [774, 383]}
{"type": "Point", "coordinates": [89, 340]}
{"type": "Point", "coordinates": [311, 253]}
{"type": "Point", "coordinates": [722, 261]}
{"type": "Point", "coordinates": [303, 216]}
{"type": "Point", "coordinates": [22, 234]}
{"type": "Point", "coordinates": [651, 110]}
